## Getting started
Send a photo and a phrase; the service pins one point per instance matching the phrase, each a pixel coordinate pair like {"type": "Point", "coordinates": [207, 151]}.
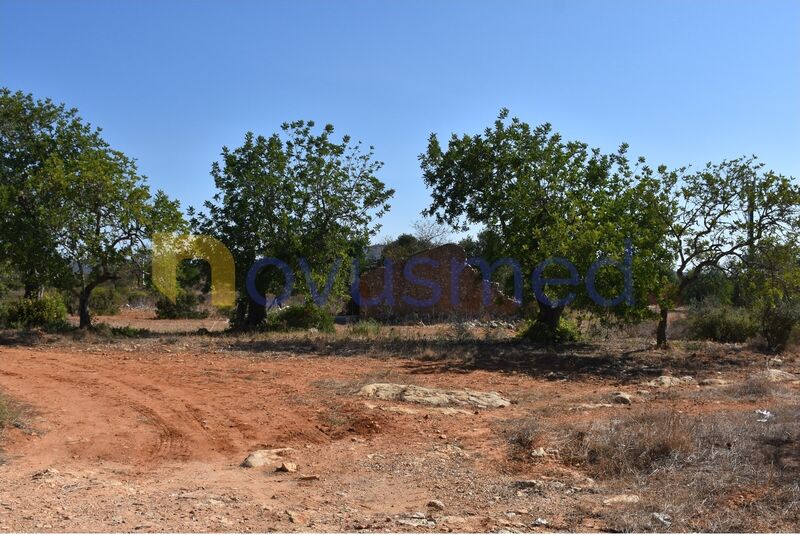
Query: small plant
{"type": "Point", "coordinates": [49, 311]}
{"type": "Point", "coordinates": [523, 433]}
{"type": "Point", "coordinates": [367, 327]}
{"type": "Point", "coordinates": [105, 301]}
{"type": "Point", "coordinates": [777, 323]}
{"type": "Point", "coordinates": [634, 445]}
{"type": "Point", "coordinates": [721, 323]}
{"type": "Point", "coordinates": [541, 333]}
{"type": "Point", "coordinates": [8, 413]}
{"type": "Point", "coordinates": [184, 307]}
{"type": "Point", "coordinates": [307, 316]}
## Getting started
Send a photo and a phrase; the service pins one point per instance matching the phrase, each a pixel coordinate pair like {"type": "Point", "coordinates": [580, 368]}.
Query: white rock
{"type": "Point", "coordinates": [434, 396]}
{"type": "Point", "coordinates": [621, 498]}
{"type": "Point", "coordinates": [262, 457]}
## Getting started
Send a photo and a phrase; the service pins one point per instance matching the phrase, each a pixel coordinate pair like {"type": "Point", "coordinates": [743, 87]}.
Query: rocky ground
{"type": "Point", "coordinates": [437, 431]}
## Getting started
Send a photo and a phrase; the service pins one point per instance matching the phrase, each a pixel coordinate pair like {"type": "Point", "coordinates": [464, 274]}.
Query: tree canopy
{"type": "Point", "coordinates": [543, 197]}
{"type": "Point", "coordinates": [296, 194]}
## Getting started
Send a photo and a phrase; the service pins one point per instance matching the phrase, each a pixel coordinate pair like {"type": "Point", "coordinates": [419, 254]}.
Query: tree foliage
{"type": "Point", "coordinates": [721, 215]}
{"type": "Point", "coordinates": [74, 210]}
{"type": "Point", "coordinates": [543, 197]}
{"type": "Point", "coordinates": [296, 194]}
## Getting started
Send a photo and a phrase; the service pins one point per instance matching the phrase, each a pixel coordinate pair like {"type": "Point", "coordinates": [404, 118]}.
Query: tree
{"type": "Point", "coordinates": [33, 135]}
{"type": "Point", "coordinates": [720, 213]}
{"type": "Point", "coordinates": [542, 197]}
{"type": "Point", "coordinates": [109, 216]}
{"type": "Point", "coordinates": [293, 195]}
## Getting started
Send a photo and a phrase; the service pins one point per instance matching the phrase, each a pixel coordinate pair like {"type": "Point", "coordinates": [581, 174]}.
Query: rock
{"type": "Point", "coordinates": [287, 467]}
{"type": "Point", "coordinates": [451, 520]}
{"type": "Point", "coordinates": [621, 498]}
{"type": "Point", "coordinates": [589, 406]}
{"type": "Point", "coordinates": [436, 504]}
{"type": "Point", "coordinates": [434, 396]}
{"type": "Point", "coordinates": [295, 517]}
{"type": "Point", "coordinates": [621, 398]}
{"type": "Point", "coordinates": [310, 477]}
{"type": "Point", "coordinates": [663, 518]}
{"type": "Point", "coordinates": [540, 522]}
{"type": "Point", "coordinates": [669, 380]}
{"type": "Point", "coordinates": [713, 382]}
{"type": "Point", "coordinates": [539, 452]}
{"type": "Point", "coordinates": [416, 520]}
{"type": "Point", "coordinates": [262, 457]}
{"type": "Point", "coordinates": [774, 376]}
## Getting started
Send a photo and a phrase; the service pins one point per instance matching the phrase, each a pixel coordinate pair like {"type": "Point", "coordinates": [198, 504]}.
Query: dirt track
{"type": "Point", "coordinates": [152, 440]}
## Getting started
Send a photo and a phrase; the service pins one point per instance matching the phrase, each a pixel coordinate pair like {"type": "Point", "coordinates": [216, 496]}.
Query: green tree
{"type": "Point", "coordinates": [543, 197]}
{"type": "Point", "coordinates": [109, 215]}
{"type": "Point", "coordinates": [297, 194]}
{"type": "Point", "coordinates": [722, 213]}
{"type": "Point", "coordinates": [34, 134]}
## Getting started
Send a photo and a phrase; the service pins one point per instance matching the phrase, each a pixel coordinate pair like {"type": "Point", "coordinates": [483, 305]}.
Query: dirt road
{"type": "Point", "coordinates": [126, 442]}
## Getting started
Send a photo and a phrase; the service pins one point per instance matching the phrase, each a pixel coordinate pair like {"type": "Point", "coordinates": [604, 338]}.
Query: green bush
{"type": "Point", "coordinates": [777, 323]}
{"type": "Point", "coordinates": [721, 323]}
{"type": "Point", "coordinates": [367, 327]}
{"type": "Point", "coordinates": [49, 311]}
{"type": "Point", "coordinates": [105, 301]}
{"type": "Point", "coordinates": [305, 316]}
{"type": "Point", "coordinates": [184, 307]}
{"type": "Point", "coordinates": [541, 333]}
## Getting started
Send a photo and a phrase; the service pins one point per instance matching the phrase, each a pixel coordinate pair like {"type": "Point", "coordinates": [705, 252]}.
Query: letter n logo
{"type": "Point", "coordinates": [169, 250]}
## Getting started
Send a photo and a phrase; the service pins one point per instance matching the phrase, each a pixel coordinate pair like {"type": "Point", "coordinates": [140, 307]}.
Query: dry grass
{"type": "Point", "coordinates": [716, 472]}
{"type": "Point", "coordinates": [522, 434]}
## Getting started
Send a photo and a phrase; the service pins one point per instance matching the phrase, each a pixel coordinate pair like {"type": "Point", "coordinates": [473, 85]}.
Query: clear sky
{"type": "Point", "coordinates": [171, 82]}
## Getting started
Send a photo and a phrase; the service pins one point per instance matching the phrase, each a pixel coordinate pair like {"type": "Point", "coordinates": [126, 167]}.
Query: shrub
{"type": "Point", "coordinates": [722, 323]}
{"type": "Point", "coordinates": [184, 307]}
{"type": "Point", "coordinates": [777, 323]}
{"type": "Point", "coordinates": [367, 327]}
{"type": "Point", "coordinates": [541, 333]}
{"type": "Point", "coordinates": [105, 301]}
{"type": "Point", "coordinates": [635, 444]}
{"type": "Point", "coordinates": [49, 311]}
{"type": "Point", "coordinates": [305, 316]}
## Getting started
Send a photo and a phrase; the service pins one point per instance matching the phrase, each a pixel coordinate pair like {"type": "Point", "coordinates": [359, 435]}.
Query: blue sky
{"type": "Point", "coordinates": [171, 82]}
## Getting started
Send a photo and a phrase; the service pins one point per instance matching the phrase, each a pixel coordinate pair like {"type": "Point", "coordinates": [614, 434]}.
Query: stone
{"type": "Point", "coordinates": [436, 504]}
{"type": "Point", "coordinates": [436, 397]}
{"type": "Point", "coordinates": [621, 498]}
{"type": "Point", "coordinates": [669, 380]}
{"type": "Point", "coordinates": [263, 457]}
{"type": "Point", "coordinates": [774, 376]}
{"type": "Point", "coordinates": [663, 518]}
{"type": "Point", "coordinates": [713, 382]}
{"type": "Point", "coordinates": [621, 398]}
{"type": "Point", "coordinates": [287, 467]}
{"type": "Point", "coordinates": [295, 517]}
{"type": "Point", "coordinates": [539, 452]}
{"type": "Point", "coordinates": [416, 520]}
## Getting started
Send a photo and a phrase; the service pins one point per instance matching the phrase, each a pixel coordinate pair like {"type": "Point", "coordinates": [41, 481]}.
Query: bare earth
{"type": "Point", "coordinates": [127, 435]}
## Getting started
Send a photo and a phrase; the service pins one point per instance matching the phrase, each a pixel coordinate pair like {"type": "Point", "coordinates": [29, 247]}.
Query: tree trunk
{"type": "Point", "coordinates": [549, 316]}
{"type": "Point", "coordinates": [661, 331]}
{"type": "Point", "coordinates": [83, 308]}
{"type": "Point", "coordinates": [255, 313]}
{"type": "Point", "coordinates": [31, 290]}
